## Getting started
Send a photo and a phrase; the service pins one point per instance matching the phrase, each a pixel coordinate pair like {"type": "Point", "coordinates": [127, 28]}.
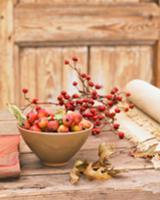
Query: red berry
{"type": "Point", "coordinates": [67, 96]}
{"type": "Point", "coordinates": [90, 83]}
{"type": "Point", "coordinates": [75, 83]}
{"type": "Point", "coordinates": [34, 101]}
{"type": "Point", "coordinates": [100, 117]}
{"type": "Point", "coordinates": [128, 94]}
{"type": "Point", "coordinates": [25, 90]}
{"type": "Point", "coordinates": [116, 125]}
{"type": "Point", "coordinates": [112, 114]}
{"type": "Point", "coordinates": [131, 106]}
{"type": "Point", "coordinates": [61, 103]}
{"type": "Point", "coordinates": [63, 93]}
{"type": "Point", "coordinates": [66, 62]}
{"type": "Point", "coordinates": [74, 58]}
{"type": "Point", "coordinates": [60, 98]}
{"type": "Point", "coordinates": [32, 117]}
{"type": "Point", "coordinates": [94, 93]}
{"type": "Point", "coordinates": [117, 110]}
{"type": "Point", "coordinates": [75, 96]}
{"type": "Point", "coordinates": [96, 131]}
{"type": "Point", "coordinates": [126, 110]}
{"type": "Point", "coordinates": [93, 110]}
{"type": "Point", "coordinates": [119, 98]}
{"type": "Point", "coordinates": [83, 75]}
{"type": "Point", "coordinates": [110, 103]}
{"type": "Point", "coordinates": [37, 108]}
{"type": "Point", "coordinates": [109, 96]}
{"type": "Point", "coordinates": [97, 123]}
{"type": "Point", "coordinates": [98, 86]}
{"type": "Point", "coordinates": [88, 77]}
{"type": "Point", "coordinates": [101, 108]}
{"type": "Point", "coordinates": [121, 135]}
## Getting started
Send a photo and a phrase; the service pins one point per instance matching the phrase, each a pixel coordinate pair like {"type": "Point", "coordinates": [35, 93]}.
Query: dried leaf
{"type": "Point", "coordinates": [79, 167]}
{"type": "Point", "coordinates": [104, 152]}
{"type": "Point", "coordinates": [99, 174]}
{"type": "Point", "coordinates": [147, 154]}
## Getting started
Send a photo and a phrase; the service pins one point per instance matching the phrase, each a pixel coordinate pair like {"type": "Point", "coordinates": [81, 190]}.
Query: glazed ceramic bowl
{"type": "Point", "coordinates": [55, 149]}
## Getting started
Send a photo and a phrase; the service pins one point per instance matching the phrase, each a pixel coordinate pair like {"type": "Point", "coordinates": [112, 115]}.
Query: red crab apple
{"type": "Point", "coordinates": [52, 125]}
{"type": "Point", "coordinates": [85, 124]}
{"type": "Point", "coordinates": [26, 124]}
{"type": "Point", "coordinates": [77, 117]}
{"type": "Point", "coordinates": [32, 117]}
{"type": "Point", "coordinates": [35, 128]}
{"type": "Point", "coordinates": [43, 122]}
{"type": "Point", "coordinates": [76, 127]}
{"type": "Point", "coordinates": [68, 119]}
{"type": "Point", "coordinates": [42, 113]}
{"type": "Point", "coordinates": [63, 128]}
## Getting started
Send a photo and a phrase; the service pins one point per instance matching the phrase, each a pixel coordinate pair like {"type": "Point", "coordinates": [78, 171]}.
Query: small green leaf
{"type": "Point", "coordinates": [14, 110]}
{"type": "Point", "coordinates": [59, 115]}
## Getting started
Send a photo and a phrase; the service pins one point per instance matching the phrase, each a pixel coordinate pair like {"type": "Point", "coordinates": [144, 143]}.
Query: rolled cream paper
{"type": "Point", "coordinates": [146, 97]}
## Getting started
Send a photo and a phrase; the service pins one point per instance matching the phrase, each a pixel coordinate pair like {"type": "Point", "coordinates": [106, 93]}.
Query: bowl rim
{"type": "Point", "coordinates": [56, 133]}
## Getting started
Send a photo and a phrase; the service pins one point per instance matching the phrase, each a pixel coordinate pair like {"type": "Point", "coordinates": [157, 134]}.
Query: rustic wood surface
{"type": "Point", "coordinates": [140, 181]}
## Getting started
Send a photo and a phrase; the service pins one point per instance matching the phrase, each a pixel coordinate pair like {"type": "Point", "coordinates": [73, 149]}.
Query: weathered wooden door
{"type": "Point", "coordinates": [116, 41]}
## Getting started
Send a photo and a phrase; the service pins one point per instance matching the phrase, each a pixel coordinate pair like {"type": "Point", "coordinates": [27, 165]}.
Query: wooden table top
{"type": "Point", "coordinates": [140, 182]}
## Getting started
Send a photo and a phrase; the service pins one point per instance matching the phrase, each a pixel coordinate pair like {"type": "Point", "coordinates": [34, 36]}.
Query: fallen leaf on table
{"type": "Point", "coordinates": [149, 153]}
{"type": "Point", "coordinates": [99, 170]}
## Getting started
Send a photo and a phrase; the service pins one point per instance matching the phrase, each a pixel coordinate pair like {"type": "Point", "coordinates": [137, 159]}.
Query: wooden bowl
{"type": "Point", "coordinates": [55, 149]}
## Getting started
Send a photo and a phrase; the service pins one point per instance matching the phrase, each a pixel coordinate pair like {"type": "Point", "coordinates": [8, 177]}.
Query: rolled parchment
{"type": "Point", "coordinates": [140, 125]}
{"type": "Point", "coordinates": [146, 97]}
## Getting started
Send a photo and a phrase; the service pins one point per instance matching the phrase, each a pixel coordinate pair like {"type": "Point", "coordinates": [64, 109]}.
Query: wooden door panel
{"type": "Point", "coordinates": [115, 66]}
{"type": "Point", "coordinates": [42, 70]}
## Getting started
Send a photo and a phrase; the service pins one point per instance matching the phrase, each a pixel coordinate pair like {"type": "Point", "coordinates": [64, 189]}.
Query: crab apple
{"type": "Point", "coordinates": [43, 122]}
{"type": "Point", "coordinates": [32, 117]}
{"type": "Point", "coordinates": [68, 119]}
{"type": "Point", "coordinates": [77, 117]}
{"type": "Point", "coordinates": [121, 135]}
{"type": "Point", "coordinates": [26, 124]}
{"type": "Point", "coordinates": [85, 124]}
{"type": "Point", "coordinates": [52, 125]}
{"type": "Point", "coordinates": [76, 127]}
{"type": "Point", "coordinates": [63, 128]}
{"type": "Point", "coordinates": [42, 113]}
{"type": "Point", "coordinates": [35, 128]}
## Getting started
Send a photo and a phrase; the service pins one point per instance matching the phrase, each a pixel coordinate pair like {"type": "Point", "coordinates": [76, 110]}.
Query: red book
{"type": "Point", "coordinates": [9, 156]}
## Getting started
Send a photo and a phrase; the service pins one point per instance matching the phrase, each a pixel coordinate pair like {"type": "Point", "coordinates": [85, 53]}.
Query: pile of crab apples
{"type": "Point", "coordinates": [41, 120]}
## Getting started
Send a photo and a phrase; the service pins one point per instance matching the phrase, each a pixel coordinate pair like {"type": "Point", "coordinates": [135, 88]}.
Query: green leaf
{"type": "Point", "coordinates": [59, 114]}
{"type": "Point", "coordinates": [14, 110]}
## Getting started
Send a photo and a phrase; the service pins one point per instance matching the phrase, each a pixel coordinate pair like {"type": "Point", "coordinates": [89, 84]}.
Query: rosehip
{"type": "Point", "coordinates": [117, 110]}
{"type": "Point", "coordinates": [90, 83]}
{"type": "Point", "coordinates": [98, 86]}
{"type": "Point", "coordinates": [25, 90]}
{"type": "Point", "coordinates": [75, 83]}
{"type": "Point", "coordinates": [116, 126]}
{"type": "Point", "coordinates": [66, 62]}
{"type": "Point", "coordinates": [101, 108]}
{"type": "Point", "coordinates": [121, 135]}
{"type": "Point", "coordinates": [74, 58]}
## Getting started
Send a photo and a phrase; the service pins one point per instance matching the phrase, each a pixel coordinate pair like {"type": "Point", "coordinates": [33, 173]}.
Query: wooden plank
{"type": "Point", "coordinates": [6, 53]}
{"type": "Point", "coordinates": [133, 184]}
{"type": "Point", "coordinates": [31, 165]}
{"type": "Point", "coordinates": [157, 64]}
{"type": "Point", "coordinates": [118, 65]}
{"type": "Point", "coordinates": [48, 73]}
{"type": "Point", "coordinates": [100, 23]}
{"type": "Point", "coordinates": [27, 74]}
{"type": "Point", "coordinates": [82, 2]}
{"type": "Point", "coordinates": [68, 75]}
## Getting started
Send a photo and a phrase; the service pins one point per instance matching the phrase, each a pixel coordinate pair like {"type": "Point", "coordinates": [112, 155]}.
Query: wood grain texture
{"type": "Point", "coordinates": [48, 73]}
{"type": "Point", "coordinates": [157, 64]}
{"type": "Point", "coordinates": [27, 76]}
{"type": "Point", "coordinates": [6, 53]}
{"type": "Point", "coordinates": [100, 23]}
{"type": "Point", "coordinates": [68, 74]}
{"type": "Point", "coordinates": [116, 66]}
{"type": "Point", "coordinates": [82, 2]}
